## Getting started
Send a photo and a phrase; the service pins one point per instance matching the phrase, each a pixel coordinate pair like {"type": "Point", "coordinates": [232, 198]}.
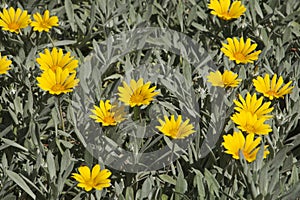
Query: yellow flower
{"type": "Point", "coordinates": [175, 128]}
{"type": "Point", "coordinates": [248, 147]}
{"type": "Point", "coordinates": [250, 123]}
{"type": "Point", "coordinates": [44, 23]}
{"type": "Point", "coordinates": [97, 179]}
{"type": "Point", "coordinates": [56, 59]}
{"type": "Point", "coordinates": [60, 81]}
{"type": "Point", "coordinates": [272, 88]}
{"type": "Point", "coordinates": [4, 64]}
{"type": "Point", "coordinates": [107, 114]}
{"type": "Point", "coordinates": [254, 106]}
{"type": "Point", "coordinates": [240, 51]}
{"type": "Point", "coordinates": [13, 21]}
{"type": "Point", "coordinates": [137, 93]}
{"type": "Point", "coordinates": [221, 9]}
{"type": "Point", "coordinates": [228, 79]}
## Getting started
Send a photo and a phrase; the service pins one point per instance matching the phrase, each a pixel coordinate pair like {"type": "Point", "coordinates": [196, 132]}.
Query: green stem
{"type": "Point", "coordinates": [37, 38]}
{"type": "Point", "coordinates": [61, 114]}
{"type": "Point", "coordinates": [171, 159]}
{"type": "Point", "coordinates": [136, 113]}
{"type": "Point", "coordinates": [52, 42]}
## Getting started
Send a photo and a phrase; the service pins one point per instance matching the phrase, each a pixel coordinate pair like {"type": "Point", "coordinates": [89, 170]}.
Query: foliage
{"type": "Point", "coordinates": [39, 150]}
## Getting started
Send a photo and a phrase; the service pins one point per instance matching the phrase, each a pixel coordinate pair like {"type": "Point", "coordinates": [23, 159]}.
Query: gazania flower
{"type": "Point", "coordinates": [240, 51]}
{"type": "Point", "coordinates": [221, 9]}
{"type": "Point", "coordinates": [60, 81]}
{"type": "Point", "coordinates": [272, 89]}
{"type": "Point", "coordinates": [254, 106]}
{"type": "Point", "coordinates": [13, 21]}
{"type": "Point", "coordinates": [227, 79]}
{"type": "Point", "coordinates": [107, 114]}
{"type": "Point", "coordinates": [97, 178]}
{"type": "Point", "coordinates": [137, 93]}
{"type": "Point", "coordinates": [248, 147]}
{"type": "Point", "coordinates": [175, 128]}
{"type": "Point", "coordinates": [45, 22]}
{"type": "Point", "coordinates": [4, 64]}
{"type": "Point", "coordinates": [250, 123]}
{"type": "Point", "coordinates": [56, 59]}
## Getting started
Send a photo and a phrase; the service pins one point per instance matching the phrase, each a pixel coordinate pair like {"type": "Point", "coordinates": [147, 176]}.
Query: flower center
{"type": "Point", "coordinates": [225, 15]}
{"type": "Point", "coordinates": [239, 56]}
{"type": "Point", "coordinates": [250, 128]}
{"type": "Point", "coordinates": [58, 87]}
{"type": "Point", "coordinates": [137, 98]}
{"type": "Point", "coordinates": [44, 24]}
{"type": "Point", "coordinates": [271, 92]}
{"type": "Point", "coordinates": [13, 26]}
{"type": "Point", "coordinates": [109, 119]}
{"type": "Point", "coordinates": [173, 132]}
{"type": "Point", "coordinates": [246, 154]}
{"type": "Point", "coordinates": [54, 67]}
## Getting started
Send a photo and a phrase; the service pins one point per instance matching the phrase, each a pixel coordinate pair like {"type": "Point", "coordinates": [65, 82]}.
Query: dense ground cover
{"type": "Point", "coordinates": [176, 99]}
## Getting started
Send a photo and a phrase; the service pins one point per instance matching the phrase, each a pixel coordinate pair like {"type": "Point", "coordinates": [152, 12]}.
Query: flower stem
{"type": "Point", "coordinates": [61, 114]}
{"type": "Point", "coordinates": [136, 113]}
{"type": "Point", "coordinates": [52, 42]}
{"type": "Point", "coordinates": [172, 153]}
{"type": "Point", "coordinates": [37, 38]}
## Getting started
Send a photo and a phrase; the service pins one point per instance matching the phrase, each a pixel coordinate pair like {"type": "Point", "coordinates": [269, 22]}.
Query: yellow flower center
{"type": "Point", "coordinates": [246, 155]}
{"type": "Point", "coordinates": [239, 56]}
{"type": "Point", "coordinates": [58, 87]}
{"type": "Point", "coordinates": [13, 26]}
{"type": "Point", "coordinates": [109, 120]}
{"type": "Point", "coordinates": [44, 24]}
{"type": "Point", "coordinates": [137, 98]}
{"type": "Point", "coordinates": [271, 93]}
{"type": "Point", "coordinates": [54, 67]}
{"type": "Point", "coordinates": [173, 132]}
{"type": "Point", "coordinates": [250, 128]}
{"type": "Point", "coordinates": [225, 15]}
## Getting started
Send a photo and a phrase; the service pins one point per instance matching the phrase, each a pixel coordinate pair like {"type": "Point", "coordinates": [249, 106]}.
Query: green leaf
{"type": "Point", "coordinates": [14, 144]}
{"type": "Point", "coordinates": [293, 193]}
{"type": "Point", "coordinates": [51, 165]}
{"type": "Point", "coordinates": [180, 14]}
{"type": "Point", "coordinates": [70, 13]}
{"type": "Point", "coordinates": [129, 193]}
{"type": "Point", "coordinates": [146, 188]}
{"type": "Point", "coordinates": [258, 9]}
{"type": "Point", "coordinates": [287, 35]}
{"type": "Point", "coordinates": [19, 181]}
{"type": "Point", "coordinates": [65, 161]}
{"type": "Point", "coordinates": [167, 179]}
{"type": "Point", "coordinates": [164, 197]}
{"type": "Point", "coordinates": [213, 184]}
{"type": "Point", "coordinates": [181, 186]}
{"type": "Point", "coordinates": [198, 182]}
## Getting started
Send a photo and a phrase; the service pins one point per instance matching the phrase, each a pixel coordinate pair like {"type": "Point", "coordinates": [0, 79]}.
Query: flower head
{"type": "Point", "coordinates": [272, 88]}
{"type": "Point", "coordinates": [13, 21]}
{"type": "Point", "coordinates": [97, 179]}
{"type": "Point", "coordinates": [4, 64]}
{"type": "Point", "coordinates": [227, 79]}
{"type": "Point", "coordinates": [137, 93]}
{"type": "Point", "coordinates": [60, 81]}
{"type": "Point", "coordinates": [248, 147]}
{"type": "Point", "coordinates": [221, 9]}
{"type": "Point", "coordinates": [56, 59]}
{"type": "Point", "coordinates": [250, 123]}
{"type": "Point", "coordinates": [254, 106]}
{"type": "Point", "coordinates": [45, 22]}
{"type": "Point", "coordinates": [107, 114]}
{"type": "Point", "coordinates": [240, 51]}
{"type": "Point", "coordinates": [175, 128]}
